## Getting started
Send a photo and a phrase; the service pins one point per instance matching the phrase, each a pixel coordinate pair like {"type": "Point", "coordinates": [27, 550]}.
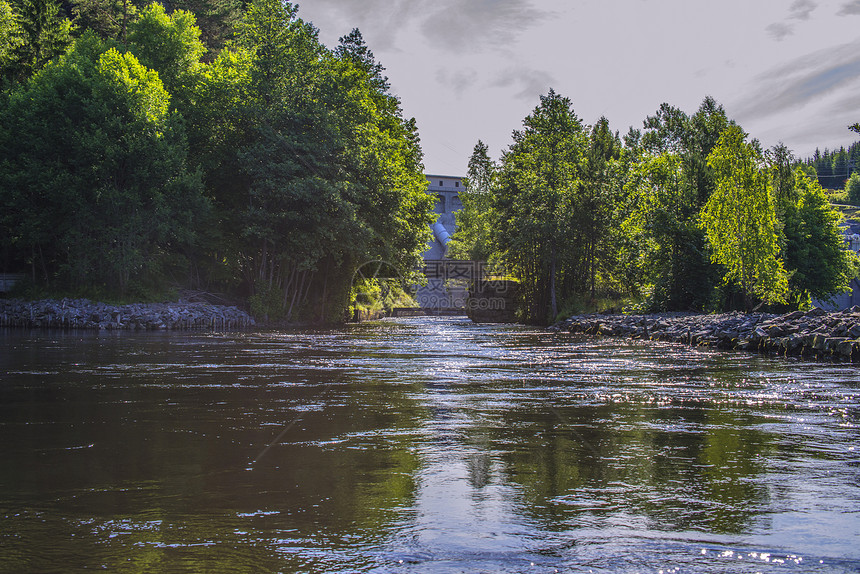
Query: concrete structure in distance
{"type": "Point", "coordinates": [440, 294]}
{"type": "Point", "coordinates": [447, 190]}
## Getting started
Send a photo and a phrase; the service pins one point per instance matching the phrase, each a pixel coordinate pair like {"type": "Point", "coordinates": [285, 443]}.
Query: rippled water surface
{"type": "Point", "coordinates": [421, 445]}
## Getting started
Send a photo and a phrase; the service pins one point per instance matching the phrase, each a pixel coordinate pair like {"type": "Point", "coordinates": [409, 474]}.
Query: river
{"type": "Point", "coordinates": [421, 445]}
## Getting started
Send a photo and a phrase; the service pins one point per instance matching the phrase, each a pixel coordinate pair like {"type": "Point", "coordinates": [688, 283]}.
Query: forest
{"type": "Point", "coordinates": [214, 146]}
{"type": "Point", "coordinates": [834, 167]}
{"type": "Point", "coordinates": [686, 214]}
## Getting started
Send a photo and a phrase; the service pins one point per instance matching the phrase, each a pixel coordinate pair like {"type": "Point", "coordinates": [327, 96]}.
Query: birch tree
{"type": "Point", "coordinates": [740, 220]}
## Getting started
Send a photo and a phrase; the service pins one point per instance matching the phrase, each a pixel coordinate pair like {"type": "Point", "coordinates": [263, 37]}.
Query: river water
{"type": "Point", "coordinates": [421, 445]}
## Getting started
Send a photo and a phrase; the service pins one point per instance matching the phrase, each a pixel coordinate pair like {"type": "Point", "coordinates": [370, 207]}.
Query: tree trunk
{"type": "Point", "coordinates": [553, 303]}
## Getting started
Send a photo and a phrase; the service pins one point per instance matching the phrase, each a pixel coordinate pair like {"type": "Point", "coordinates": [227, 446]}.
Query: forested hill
{"type": "Point", "coordinates": [834, 167]}
{"type": "Point", "coordinates": [216, 146]}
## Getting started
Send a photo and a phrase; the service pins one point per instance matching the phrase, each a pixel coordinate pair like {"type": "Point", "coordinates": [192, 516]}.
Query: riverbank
{"type": "Point", "coordinates": [816, 333]}
{"type": "Point", "coordinates": [86, 314]}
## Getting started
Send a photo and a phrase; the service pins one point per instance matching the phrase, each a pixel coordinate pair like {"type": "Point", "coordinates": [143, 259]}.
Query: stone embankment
{"type": "Point", "coordinates": [816, 333]}
{"type": "Point", "coordinates": [85, 314]}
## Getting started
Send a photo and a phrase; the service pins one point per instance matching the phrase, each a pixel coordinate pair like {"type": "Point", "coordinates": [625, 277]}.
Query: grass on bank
{"type": "Point", "coordinates": [374, 298]}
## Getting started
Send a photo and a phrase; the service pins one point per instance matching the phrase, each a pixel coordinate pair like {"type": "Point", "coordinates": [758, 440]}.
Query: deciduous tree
{"type": "Point", "coordinates": [740, 220]}
{"type": "Point", "coordinates": [815, 254]}
{"type": "Point", "coordinates": [94, 184]}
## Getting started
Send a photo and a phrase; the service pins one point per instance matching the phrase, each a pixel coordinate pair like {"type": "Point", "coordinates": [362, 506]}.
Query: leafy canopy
{"type": "Point", "coordinates": [740, 220]}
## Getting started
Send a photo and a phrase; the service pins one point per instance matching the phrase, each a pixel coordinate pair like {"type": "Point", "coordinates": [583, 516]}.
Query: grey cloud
{"type": "Point", "coordinates": [851, 8]}
{"type": "Point", "coordinates": [801, 9]}
{"type": "Point", "coordinates": [530, 83]}
{"type": "Point", "coordinates": [848, 104]}
{"type": "Point", "coordinates": [803, 81]}
{"type": "Point", "coordinates": [779, 30]}
{"type": "Point", "coordinates": [471, 24]}
{"type": "Point", "coordinates": [457, 81]}
{"type": "Point", "coordinates": [451, 25]}
{"type": "Point", "coordinates": [384, 18]}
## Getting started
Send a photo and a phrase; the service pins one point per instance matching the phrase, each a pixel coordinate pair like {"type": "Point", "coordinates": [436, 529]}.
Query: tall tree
{"type": "Point", "coordinates": [353, 49]}
{"type": "Point", "coordinates": [681, 276]}
{"type": "Point", "coordinates": [472, 240]}
{"type": "Point", "coordinates": [539, 182]}
{"type": "Point", "coordinates": [39, 33]}
{"type": "Point", "coordinates": [661, 229]}
{"type": "Point", "coordinates": [740, 220]}
{"type": "Point", "coordinates": [814, 254]}
{"type": "Point", "coordinates": [852, 189]}
{"type": "Point", "coordinates": [109, 19]}
{"type": "Point", "coordinates": [783, 176]}
{"type": "Point", "coordinates": [216, 20]}
{"type": "Point", "coordinates": [599, 193]}
{"type": "Point", "coordinates": [10, 41]}
{"type": "Point", "coordinates": [310, 160]}
{"type": "Point", "coordinates": [170, 45]}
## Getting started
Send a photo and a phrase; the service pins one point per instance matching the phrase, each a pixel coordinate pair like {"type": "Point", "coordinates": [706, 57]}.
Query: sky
{"type": "Point", "coordinates": [467, 70]}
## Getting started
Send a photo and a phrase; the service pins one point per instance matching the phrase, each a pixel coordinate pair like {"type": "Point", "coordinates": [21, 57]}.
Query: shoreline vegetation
{"type": "Point", "coordinates": [815, 334]}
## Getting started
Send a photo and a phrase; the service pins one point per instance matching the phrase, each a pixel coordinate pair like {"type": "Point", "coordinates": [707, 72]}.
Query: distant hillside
{"type": "Point", "coordinates": [834, 167]}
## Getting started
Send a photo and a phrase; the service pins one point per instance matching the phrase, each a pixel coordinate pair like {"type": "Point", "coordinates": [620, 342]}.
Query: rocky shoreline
{"type": "Point", "coordinates": [86, 314]}
{"type": "Point", "coordinates": [816, 333]}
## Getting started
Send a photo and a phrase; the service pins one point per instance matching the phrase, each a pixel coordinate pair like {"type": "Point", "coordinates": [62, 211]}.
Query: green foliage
{"type": "Point", "coordinates": [472, 239]}
{"type": "Point", "coordinates": [11, 40]}
{"type": "Point", "coordinates": [307, 165]}
{"type": "Point", "coordinates": [815, 255]}
{"type": "Point", "coordinates": [664, 231]}
{"type": "Point", "coordinates": [267, 303]}
{"type": "Point", "coordinates": [663, 248]}
{"type": "Point", "coordinates": [32, 32]}
{"type": "Point", "coordinates": [377, 297]}
{"type": "Point", "coordinates": [170, 45]}
{"type": "Point", "coordinates": [539, 188]}
{"type": "Point", "coordinates": [94, 186]}
{"type": "Point", "coordinates": [740, 220]}
{"type": "Point", "coordinates": [108, 19]}
{"type": "Point", "coordinates": [216, 19]}
{"type": "Point", "coordinates": [593, 216]}
{"type": "Point", "coordinates": [852, 189]}
{"type": "Point", "coordinates": [311, 161]}
{"type": "Point", "coordinates": [655, 223]}
{"type": "Point", "coordinates": [837, 196]}
{"type": "Point", "coordinates": [782, 174]}
{"type": "Point", "coordinates": [834, 167]}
